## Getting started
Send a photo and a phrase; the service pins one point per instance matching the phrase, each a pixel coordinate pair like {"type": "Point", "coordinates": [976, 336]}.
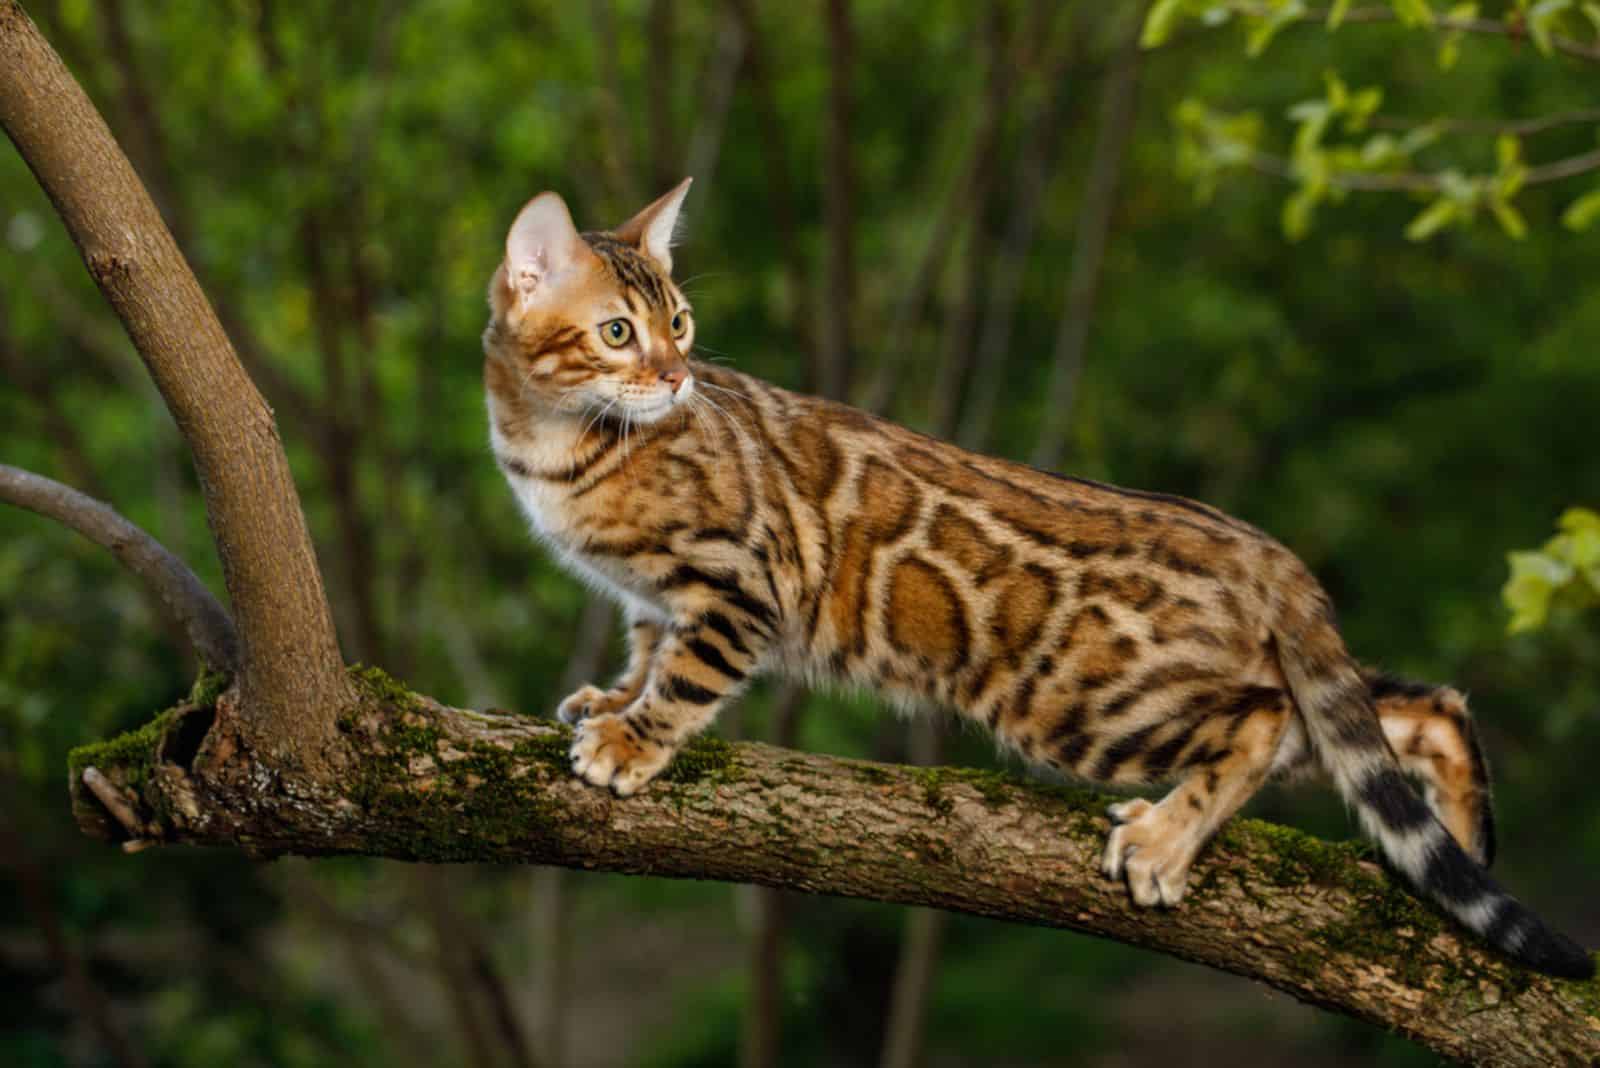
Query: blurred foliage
{"type": "Point", "coordinates": [1565, 574]}
{"type": "Point", "coordinates": [1396, 157]}
{"type": "Point", "coordinates": [1400, 413]}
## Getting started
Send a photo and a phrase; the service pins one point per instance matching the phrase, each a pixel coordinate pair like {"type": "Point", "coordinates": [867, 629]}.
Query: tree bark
{"type": "Point", "coordinates": [430, 783]}
{"type": "Point", "coordinates": [291, 657]}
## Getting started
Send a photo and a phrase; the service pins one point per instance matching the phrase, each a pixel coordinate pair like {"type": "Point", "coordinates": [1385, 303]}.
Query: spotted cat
{"type": "Point", "coordinates": [1115, 635]}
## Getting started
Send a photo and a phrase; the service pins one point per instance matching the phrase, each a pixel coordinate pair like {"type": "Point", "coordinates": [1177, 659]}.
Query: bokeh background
{"type": "Point", "coordinates": [891, 202]}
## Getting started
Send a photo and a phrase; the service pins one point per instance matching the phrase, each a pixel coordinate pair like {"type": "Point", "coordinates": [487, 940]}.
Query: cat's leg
{"type": "Point", "coordinates": [643, 637]}
{"type": "Point", "coordinates": [1431, 731]}
{"type": "Point", "coordinates": [1227, 758]}
{"type": "Point", "coordinates": [698, 665]}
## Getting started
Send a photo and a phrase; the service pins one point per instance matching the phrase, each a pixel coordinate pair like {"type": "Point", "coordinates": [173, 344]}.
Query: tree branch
{"type": "Point", "coordinates": [186, 599]}
{"type": "Point", "coordinates": [1417, 182]}
{"type": "Point", "coordinates": [431, 783]}
{"type": "Point", "coordinates": [1515, 30]}
{"type": "Point", "coordinates": [291, 659]}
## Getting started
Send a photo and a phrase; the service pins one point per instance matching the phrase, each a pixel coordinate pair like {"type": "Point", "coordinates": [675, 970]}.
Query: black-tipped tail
{"type": "Point", "coordinates": [1429, 859]}
{"type": "Point", "coordinates": [1466, 891]}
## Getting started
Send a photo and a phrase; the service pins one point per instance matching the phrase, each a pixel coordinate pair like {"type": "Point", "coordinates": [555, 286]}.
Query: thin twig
{"type": "Point", "coordinates": [185, 597]}
{"type": "Point", "coordinates": [1516, 31]}
{"type": "Point", "coordinates": [1515, 127]}
{"type": "Point", "coordinates": [1417, 182]}
{"type": "Point", "coordinates": [106, 792]}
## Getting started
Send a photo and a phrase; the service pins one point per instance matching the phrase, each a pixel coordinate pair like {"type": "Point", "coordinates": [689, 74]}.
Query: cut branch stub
{"type": "Point", "coordinates": [291, 661]}
{"type": "Point", "coordinates": [432, 783]}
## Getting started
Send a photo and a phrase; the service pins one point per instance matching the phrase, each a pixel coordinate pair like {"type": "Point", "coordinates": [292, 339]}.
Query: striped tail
{"type": "Point", "coordinates": [1336, 704]}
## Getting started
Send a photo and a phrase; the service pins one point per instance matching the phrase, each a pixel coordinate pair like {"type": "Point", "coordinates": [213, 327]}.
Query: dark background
{"type": "Point", "coordinates": [1402, 414]}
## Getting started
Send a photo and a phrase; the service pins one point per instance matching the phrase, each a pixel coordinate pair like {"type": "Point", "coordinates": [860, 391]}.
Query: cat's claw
{"type": "Point", "coordinates": [584, 702]}
{"type": "Point", "coordinates": [1147, 853]}
{"type": "Point", "coordinates": [609, 751]}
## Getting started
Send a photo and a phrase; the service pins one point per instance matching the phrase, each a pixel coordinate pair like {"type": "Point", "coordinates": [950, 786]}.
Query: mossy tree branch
{"type": "Point", "coordinates": [432, 783]}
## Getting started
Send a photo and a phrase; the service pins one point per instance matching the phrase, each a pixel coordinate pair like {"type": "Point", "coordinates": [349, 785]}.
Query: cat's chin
{"type": "Point", "coordinates": [644, 415]}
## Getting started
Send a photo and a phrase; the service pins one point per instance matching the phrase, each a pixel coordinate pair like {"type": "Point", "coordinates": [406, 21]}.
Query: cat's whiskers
{"type": "Point", "coordinates": [727, 416]}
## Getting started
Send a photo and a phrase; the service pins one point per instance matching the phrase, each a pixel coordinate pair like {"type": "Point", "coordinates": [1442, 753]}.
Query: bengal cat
{"type": "Point", "coordinates": [1114, 635]}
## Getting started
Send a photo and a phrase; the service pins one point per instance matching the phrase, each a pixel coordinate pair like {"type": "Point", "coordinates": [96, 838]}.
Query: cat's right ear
{"type": "Point", "coordinates": [542, 247]}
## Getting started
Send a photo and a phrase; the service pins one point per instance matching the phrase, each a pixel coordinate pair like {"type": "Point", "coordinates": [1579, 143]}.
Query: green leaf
{"type": "Point", "coordinates": [1413, 12]}
{"type": "Point", "coordinates": [1507, 150]}
{"type": "Point", "coordinates": [1300, 209]}
{"type": "Point", "coordinates": [1534, 580]}
{"type": "Point", "coordinates": [1267, 27]}
{"type": "Point", "coordinates": [1579, 521]}
{"type": "Point", "coordinates": [1435, 217]}
{"type": "Point", "coordinates": [1160, 22]}
{"type": "Point", "coordinates": [1510, 219]}
{"type": "Point", "coordinates": [1336, 13]}
{"type": "Point", "coordinates": [1582, 213]}
{"type": "Point", "coordinates": [1539, 19]}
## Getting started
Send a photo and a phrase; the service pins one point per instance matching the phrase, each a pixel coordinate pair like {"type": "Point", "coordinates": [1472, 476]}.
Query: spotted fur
{"type": "Point", "coordinates": [1115, 635]}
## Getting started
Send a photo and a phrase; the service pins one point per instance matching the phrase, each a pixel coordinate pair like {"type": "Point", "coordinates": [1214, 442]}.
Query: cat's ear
{"type": "Point", "coordinates": [542, 246]}
{"type": "Point", "coordinates": [651, 230]}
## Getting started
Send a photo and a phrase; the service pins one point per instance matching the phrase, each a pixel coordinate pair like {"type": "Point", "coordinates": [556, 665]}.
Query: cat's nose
{"type": "Point", "coordinates": [674, 377]}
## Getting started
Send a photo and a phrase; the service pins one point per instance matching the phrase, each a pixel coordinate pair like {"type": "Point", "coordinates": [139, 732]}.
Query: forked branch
{"type": "Point", "coordinates": [291, 662]}
{"type": "Point", "coordinates": [185, 597]}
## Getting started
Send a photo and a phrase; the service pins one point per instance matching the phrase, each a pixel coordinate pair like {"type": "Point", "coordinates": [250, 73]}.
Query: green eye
{"type": "Point", "coordinates": [680, 324]}
{"type": "Point", "coordinates": [617, 332]}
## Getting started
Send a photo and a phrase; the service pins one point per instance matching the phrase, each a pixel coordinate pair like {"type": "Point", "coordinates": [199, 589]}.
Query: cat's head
{"type": "Point", "coordinates": [589, 322]}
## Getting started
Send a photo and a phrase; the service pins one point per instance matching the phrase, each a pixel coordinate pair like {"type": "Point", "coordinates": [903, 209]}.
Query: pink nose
{"type": "Point", "coordinates": [675, 377]}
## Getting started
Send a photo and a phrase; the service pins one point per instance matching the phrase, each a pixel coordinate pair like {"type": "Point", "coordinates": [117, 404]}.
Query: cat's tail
{"type": "Point", "coordinates": [1336, 705]}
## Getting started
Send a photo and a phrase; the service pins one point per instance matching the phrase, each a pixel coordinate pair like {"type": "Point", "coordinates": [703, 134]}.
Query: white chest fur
{"type": "Point", "coordinates": [545, 503]}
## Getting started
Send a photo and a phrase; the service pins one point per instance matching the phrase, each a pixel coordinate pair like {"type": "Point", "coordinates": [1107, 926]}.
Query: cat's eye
{"type": "Point", "coordinates": [680, 324]}
{"type": "Point", "coordinates": [616, 332]}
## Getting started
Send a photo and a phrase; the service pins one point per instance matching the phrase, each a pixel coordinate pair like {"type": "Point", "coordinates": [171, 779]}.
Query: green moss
{"type": "Point", "coordinates": [932, 782]}
{"type": "Point", "coordinates": [208, 686]}
{"type": "Point", "coordinates": [130, 754]}
{"type": "Point", "coordinates": [379, 686]}
{"type": "Point", "coordinates": [872, 774]}
{"type": "Point", "coordinates": [552, 749]}
{"type": "Point", "coordinates": [705, 759]}
{"type": "Point", "coordinates": [1294, 858]}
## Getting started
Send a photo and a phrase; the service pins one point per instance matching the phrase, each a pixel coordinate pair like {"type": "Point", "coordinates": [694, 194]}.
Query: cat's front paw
{"type": "Point", "coordinates": [589, 701]}
{"type": "Point", "coordinates": [610, 751]}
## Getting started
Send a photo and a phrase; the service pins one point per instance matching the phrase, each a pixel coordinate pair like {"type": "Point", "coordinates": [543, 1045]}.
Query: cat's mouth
{"type": "Point", "coordinates": [651, 409]}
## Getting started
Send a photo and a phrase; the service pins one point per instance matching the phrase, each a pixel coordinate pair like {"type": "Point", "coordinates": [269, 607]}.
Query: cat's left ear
{"type": "Point", "coordinates": [651, 230]}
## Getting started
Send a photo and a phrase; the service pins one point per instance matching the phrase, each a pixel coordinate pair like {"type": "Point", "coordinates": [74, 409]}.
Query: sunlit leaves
{"type": "Point", "coordinates": [1539, 20]}
{"type": "Point", "coordinates": [1564, 574]}
{"type": "Point", "coordinates": [1212, 142]}
{"type": "Point", "coordinates": [1582, 213]}
{"type": "Point", "coordinates": [1450, 42]}
{"type": "Point", "coordinates": [1413, 12]}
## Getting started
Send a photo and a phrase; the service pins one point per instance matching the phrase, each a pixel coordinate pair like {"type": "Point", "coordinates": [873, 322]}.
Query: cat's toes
{"type": "Point", "coordinates": [1128, 811]}
{"type": "Point", "coordinates": [609, 751]}
{"type": "Point", "coordinates": [580, 704]}
{"type": "Point", "coordinates": [1145, 853]}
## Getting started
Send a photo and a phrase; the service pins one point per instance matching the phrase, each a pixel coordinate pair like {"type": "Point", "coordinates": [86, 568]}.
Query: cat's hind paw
{"type": "Point", "coordinates": [1148, 852]}
{"type": "Point", "coordinates": [610, 751]}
